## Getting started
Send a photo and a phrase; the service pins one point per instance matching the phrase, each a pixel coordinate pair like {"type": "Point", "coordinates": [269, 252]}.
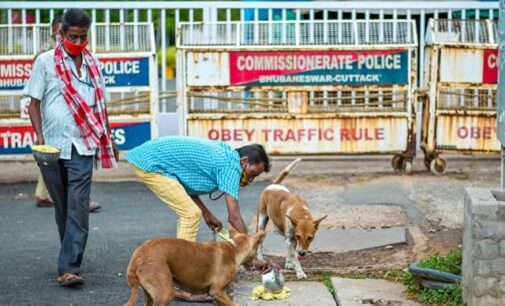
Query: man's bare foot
{"type": "Point", "coordinates": [94, 206]}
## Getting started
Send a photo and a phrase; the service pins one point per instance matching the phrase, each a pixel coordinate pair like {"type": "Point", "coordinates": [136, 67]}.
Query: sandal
{"type": "Point", "coordinates": [184, 296]}
{"type": "Point", "coordinates": [70, 280]}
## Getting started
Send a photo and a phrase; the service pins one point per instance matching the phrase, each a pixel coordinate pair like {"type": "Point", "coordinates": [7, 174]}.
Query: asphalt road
{"type": "Point", "coordinates": [130, 215]}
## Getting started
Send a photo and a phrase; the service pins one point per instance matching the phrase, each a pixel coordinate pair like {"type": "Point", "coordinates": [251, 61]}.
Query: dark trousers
{"type": "Point", "coordinates": [69, 185]}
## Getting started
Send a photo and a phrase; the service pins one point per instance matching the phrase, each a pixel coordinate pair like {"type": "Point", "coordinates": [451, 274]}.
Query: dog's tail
{"type": "Point", "coordinates": [286, 171]}
{"type": "Point", "coordinates": [134, 284]}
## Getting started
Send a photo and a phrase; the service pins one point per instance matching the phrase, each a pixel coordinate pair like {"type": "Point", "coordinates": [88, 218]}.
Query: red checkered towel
{"type": "Point", "coordinates": [92, 124]}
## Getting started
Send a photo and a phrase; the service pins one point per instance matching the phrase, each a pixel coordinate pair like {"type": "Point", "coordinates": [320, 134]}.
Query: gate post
{"type": "Point", "coordinates": [484, 247]}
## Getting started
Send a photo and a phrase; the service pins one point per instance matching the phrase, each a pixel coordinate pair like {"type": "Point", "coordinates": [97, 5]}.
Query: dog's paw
{"type": "Point", "coordinates": [289, 266]}
{"type": "Point", "coordinates": [301, 274]}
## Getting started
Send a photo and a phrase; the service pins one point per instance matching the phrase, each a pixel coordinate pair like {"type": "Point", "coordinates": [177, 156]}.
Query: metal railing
{"type": "Point", "coordinates": [297, 33]}
{"type": "Point", "coordinates": [10, 106]}
{"type": "Point", "coordinates": [118, 104]}
{"type": "Point", "coordinates": [237, 102]}
{"type": "Point", "coordinates": [467, 98]}
{"type": "Point", "coordinates": [23, 39]}
{"type": "Point", "coordinates": [167, 101]}
{"type": "Point", "coordinates": [27, 39]}
{"type": "Point", "coordinates": [135, 103]}
{"type": "Point", "coordinates": [445, 31]}
{"type": "Point", "coordinates": [383, 100]}
{"type": "Point", "coordinates": [386, 100]}
{"type": "Point", "coordinates": [122, 37]}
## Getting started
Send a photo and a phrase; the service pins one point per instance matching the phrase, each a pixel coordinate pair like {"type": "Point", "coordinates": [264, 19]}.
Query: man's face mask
{"type": "Point", "coordinates": [74, 49]}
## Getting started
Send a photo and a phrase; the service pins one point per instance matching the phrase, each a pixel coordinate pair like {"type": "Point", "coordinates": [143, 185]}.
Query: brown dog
{"type": "Point", "coordinates": [200, 267]}
{"type": "Point", "coordinates": [291, 218]}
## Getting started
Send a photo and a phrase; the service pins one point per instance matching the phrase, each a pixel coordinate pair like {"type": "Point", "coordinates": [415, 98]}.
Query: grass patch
{"type": "Point", "coordinates": [328, 284]}
{"type": "Point", "coordinates": [450, 262]}
{"type": "Point", "coordinates": [444, 297]}
{"type": "Point", "coordinates": [396, 275]}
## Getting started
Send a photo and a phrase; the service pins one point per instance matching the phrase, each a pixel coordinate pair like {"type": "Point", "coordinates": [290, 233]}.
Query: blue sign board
{"type": "Point", "coordinates": [117, 72]}
{"type": "Point", "coordinates": [121, 71]}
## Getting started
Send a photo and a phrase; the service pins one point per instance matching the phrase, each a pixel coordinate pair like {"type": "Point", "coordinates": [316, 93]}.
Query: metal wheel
{"type": "Point", "coordinates": [398, 163]}
{"type": "Point", "coordinates": [438, 166]}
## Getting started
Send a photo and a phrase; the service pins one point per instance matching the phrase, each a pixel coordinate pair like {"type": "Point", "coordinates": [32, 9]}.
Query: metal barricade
{"type": "Point", "coordinates": [127, 55]}
{"type": "Point", "coordinates": [127, 58]}
{"type": "Point", "coordinates": [19, 44]}
{"type": "Point", "coordinates": [301, 87]}
{"type": "Point", "coordinates": [459, 114]}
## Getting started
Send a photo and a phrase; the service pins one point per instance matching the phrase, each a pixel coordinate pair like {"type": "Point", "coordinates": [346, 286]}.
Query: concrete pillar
{"type": "Point", "coordinates": [484, 247]}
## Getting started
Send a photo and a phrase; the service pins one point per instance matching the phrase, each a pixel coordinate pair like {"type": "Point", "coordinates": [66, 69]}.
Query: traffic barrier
{"type": "Point", "coordinates": [301, 87]}
{"type": "Point", "coordinates": [459, 114]}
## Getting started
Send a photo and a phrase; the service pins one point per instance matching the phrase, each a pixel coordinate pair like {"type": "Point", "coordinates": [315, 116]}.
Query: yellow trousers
{"type": "Point", "coordinates": [171, 192]}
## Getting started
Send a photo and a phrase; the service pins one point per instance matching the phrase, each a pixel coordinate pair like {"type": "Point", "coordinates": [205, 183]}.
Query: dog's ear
{"type": "Point", "coordinates": [232, 230]}
{"type": "Point", "coordinates": [316, 223]}
{"type": "Point", "coordinates": [292, 221]}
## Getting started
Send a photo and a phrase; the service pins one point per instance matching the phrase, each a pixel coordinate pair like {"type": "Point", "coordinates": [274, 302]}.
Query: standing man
{"type": "Point", "coordinates": [179, 169]}
{"type": "Point", "coordinates": [67, 110]}
{"type": "Point", "coordinates": [42, 198]}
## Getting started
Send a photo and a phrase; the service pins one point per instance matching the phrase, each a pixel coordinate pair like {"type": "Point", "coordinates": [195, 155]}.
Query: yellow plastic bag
{"type": "Point", "coordinates": [261, 293]}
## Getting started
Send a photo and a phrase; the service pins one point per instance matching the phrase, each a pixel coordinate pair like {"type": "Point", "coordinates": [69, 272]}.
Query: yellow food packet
{"type": "Point", "coordinates": [260, 292]}
{"type": "Point", "coordinates": [45, 149]}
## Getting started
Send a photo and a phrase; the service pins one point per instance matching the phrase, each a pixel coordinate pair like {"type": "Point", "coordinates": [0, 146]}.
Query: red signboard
{"type": "Point", "coordinates": [490, 69]}
{"type": "Point", "coordinates": [325, 67]}
{"type": "Point", "coordinates": [16, 139]}
{"type": "Point", "coordinates": [14, 73]}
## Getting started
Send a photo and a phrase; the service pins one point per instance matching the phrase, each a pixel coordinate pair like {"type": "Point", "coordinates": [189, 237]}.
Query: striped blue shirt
{"type": "Point", "coordinates": [200, 165]}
